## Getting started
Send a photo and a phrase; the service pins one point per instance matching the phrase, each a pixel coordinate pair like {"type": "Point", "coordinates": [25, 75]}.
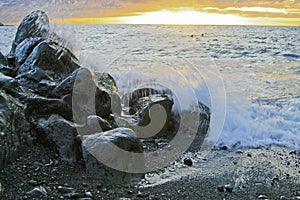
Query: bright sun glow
{"type": "Point", "coordinates": [183, 17]}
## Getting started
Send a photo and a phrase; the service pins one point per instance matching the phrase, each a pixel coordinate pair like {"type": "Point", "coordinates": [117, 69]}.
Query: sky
{"type": "Point", "coordinates": [222, 12]}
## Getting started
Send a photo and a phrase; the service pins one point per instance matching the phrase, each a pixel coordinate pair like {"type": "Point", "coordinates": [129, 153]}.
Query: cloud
{"type": "Point", "coordinates": [14, 11]}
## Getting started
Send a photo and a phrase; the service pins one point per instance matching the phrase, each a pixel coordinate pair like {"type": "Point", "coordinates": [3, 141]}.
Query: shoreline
{"type": "Point", "coordinates": [261, 173]}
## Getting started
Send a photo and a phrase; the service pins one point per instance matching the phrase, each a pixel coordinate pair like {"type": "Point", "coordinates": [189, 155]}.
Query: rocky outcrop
{"type": "Point", "coordinates": [75, 111]}
{"type": "Point", "coordinates": [1, 24]}
{"type": "Point", "coordinates": [14, 129]}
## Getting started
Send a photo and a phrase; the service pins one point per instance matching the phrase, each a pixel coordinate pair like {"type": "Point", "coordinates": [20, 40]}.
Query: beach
{"type": "Point", "coordinates": [222, 104]}
{"type": "Point", "coordinates": [262, 173]}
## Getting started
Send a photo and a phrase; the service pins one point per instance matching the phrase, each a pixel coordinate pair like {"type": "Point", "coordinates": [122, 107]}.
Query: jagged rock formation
{"type": "Point", "coordinates": [47, 97]}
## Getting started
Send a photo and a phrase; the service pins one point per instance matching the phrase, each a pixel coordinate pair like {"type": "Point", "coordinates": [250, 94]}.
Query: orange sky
{"type": "Point", "coordinates": [256, 12]}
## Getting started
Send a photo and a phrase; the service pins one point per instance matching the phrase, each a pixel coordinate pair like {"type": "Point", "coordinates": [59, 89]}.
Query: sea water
{"type": "Point", "coordinates": [248, 75]}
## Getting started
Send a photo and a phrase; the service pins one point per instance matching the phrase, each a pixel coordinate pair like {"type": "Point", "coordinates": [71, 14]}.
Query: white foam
{"type": "Point", "coordinates": [262, 125]}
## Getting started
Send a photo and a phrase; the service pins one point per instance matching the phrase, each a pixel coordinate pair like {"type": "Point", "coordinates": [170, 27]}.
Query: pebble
{"type": "Point", "coordinates": [229, 188]}
{"type": "Point", "coordinates": [88, 194]}
{"type": "Point", "coordinates": [72, 195]}
{"type": "Point", "coordinates": [249, 155]}
{"type": "Point", "coordinates": [129, 192]}
{"type": "Point", "coordinates": [224, 148]}
{"type": "Point", "coordinates": [188, 162]}
{"type": "Point", "coordinates": [156, 141]}
{"type": "Point", "coordinates": [33, 182]}
{"type": "Point", "coordinates": [293, 152]}
{"type": "Point", "coordinates": [152, 197]}
{"type": "Point", "coordinates": [284, 198]}
{"type": "Point", "coordinates": [262, 197]}
{"type": "Point", "coordinates": [85, 198]}
{"type": "Point", "coordinates": [84, 184]}
{"type": "Point", "coordinates": [140, 194]}
{"type": "Point", "coordinates": [124, 198]}
{"type": "Point", "coordinates": [37, 192]}
{"type": "Point", "coordinates": [1, 188]}
{"type": "Point", "coordinates": [104, 189]}
{"type": "Point", "coordinates": [239, 152]}
{"type": "Point", "coordinates": [221, 188]}
{"type": "Point", "coordinates": [64, 189]}
{"type": "Point", "coordinates": [162, 145]}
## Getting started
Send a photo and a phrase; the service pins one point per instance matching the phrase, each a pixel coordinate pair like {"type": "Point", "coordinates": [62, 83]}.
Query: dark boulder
{"type": "Point", "coordinates": [151, 110]}
{"type": "Point", "coordinates": [204, 118]}
{"type": "Point", "coordinates": [60, 134]}
{"type": "Point", "coordinates": [1, 24]}
{"type": "Point", "coordinates": [12, 87]}
{"type": "Point", "coordinates": [24, 49]}
{"type": "Point", "coordinates": [65, 87]}
{"type": "Point", "coordinates": [197, 123]}
{"type": "Point", "coordinates": [45, 88]}
{"type": "Point", "coordinates": [8, 84]}
{"type": "Point", "coordinates": [3, 60]}
{"type": "Point", "coordinates": [31, 78]}
{"type": "Point", "coordinates": [155, 110]}
{"type": "Point", "coordinates": [36, 24]}
{"type": "Point", "coordinates": [88, 98]}
{"type": "Point", "coordinates": [14, 129]}
{"type": "Point", "coordinates": [6, 70]}
{"type": "Point", "coordinates": [105, 82]}
{"type": "Point", "coordinates": [54, 60]}
{"type": "Point", "coordinates": [129, 99]}
{"type": "Point", "coordinates": [105, 148]}
{"type": "Point", "coordinates": [38, 107]}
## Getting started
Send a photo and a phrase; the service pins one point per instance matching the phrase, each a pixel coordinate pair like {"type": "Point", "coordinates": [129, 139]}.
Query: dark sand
{"type": "Point", "coordinates": [273, 172]}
